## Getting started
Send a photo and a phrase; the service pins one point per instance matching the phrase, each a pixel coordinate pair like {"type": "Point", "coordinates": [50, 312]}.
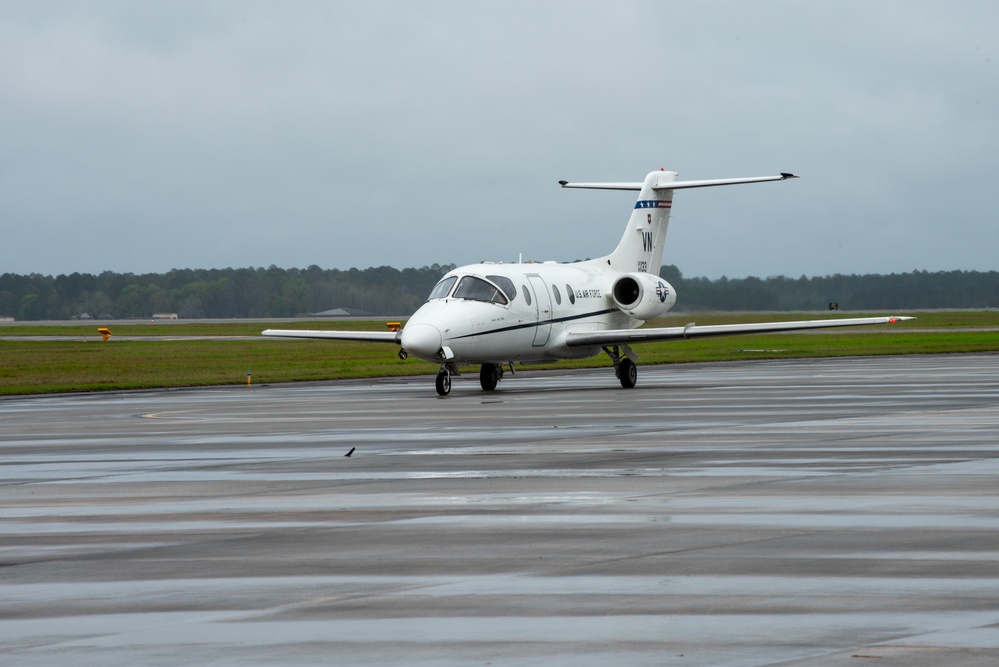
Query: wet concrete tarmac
{"type": "Point", "coordinates": [835, 512]}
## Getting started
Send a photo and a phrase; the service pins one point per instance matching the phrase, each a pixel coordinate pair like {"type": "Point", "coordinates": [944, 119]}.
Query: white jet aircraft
{"type": "Point", "coordinates": [493, 315]}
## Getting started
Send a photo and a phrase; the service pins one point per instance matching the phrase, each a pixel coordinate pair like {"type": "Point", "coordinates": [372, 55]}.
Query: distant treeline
{"type": "Point", "coordinates": [275, 292]}
{"type": "Point", "coordinates": [221, 293]}
{"type": "Point", "coordinates": [895, 291]}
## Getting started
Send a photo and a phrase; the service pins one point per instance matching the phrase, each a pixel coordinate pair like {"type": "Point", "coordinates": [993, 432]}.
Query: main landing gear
{"type": "Point", "coordinates": [624, 368]}
{"type": "Point", "coordinates": [489, 377]}
{"type": "Point", "coordinates": [627, 372]}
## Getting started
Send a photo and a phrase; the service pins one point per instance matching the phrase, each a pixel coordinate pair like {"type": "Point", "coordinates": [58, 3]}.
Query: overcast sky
{"type": "Point", "coordinates": [144, 136]}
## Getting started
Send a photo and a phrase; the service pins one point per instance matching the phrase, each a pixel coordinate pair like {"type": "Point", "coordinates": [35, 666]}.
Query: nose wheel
{"type": "Point", "coordinates": [443, 382]}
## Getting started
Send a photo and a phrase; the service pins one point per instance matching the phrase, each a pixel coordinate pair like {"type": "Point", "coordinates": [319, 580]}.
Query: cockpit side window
{"type": "Point", "coordinates": [506, 285]}
{"type": "Point", "coordinates": [477, 289]}
{"type": "Point", "coordinates": [443, 288]}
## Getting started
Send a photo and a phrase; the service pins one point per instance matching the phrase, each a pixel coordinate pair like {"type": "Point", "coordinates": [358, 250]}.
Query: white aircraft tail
{"type": "Point", "coordinates": [641, 247]}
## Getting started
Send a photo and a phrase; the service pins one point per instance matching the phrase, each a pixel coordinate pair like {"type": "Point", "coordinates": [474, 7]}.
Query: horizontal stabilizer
{"type": "Point", "coordinates": [368, 336]}
{"type": "Point", "coordinates": [621, 336]}
{"type": "Point", "coordinates": [677, 185]}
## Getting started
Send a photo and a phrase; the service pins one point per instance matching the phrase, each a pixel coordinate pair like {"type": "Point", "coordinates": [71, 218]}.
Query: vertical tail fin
{"type": "Point", "coordinates": [641, 247]}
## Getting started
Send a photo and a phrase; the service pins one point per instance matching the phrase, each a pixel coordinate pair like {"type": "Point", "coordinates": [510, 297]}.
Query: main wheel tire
{"type": "Point", "coordinates": [628, 373]}
{"type": "Point", "coordinates": [489, 376]}
{"type": "Point", "coordinates": [443, 383]}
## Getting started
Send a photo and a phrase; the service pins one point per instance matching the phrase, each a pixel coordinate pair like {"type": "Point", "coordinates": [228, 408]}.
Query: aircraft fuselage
{"type": "Point", "coordinates": [538, 305]}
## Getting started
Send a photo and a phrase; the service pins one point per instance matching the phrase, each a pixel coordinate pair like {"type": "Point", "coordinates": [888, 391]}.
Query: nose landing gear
{"type": "Point", "coordinates": [443, 382]}
{"type": "Point", "coordinates": [489, 377]}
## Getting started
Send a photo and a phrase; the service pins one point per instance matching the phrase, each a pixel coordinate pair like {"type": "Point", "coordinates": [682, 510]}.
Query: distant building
{"type": "Point", "coordinates": [4, 318]}
{"type": "Point", "coordinates": [344, 312]}
{"type": "Point", "coordinates": [164, 316]}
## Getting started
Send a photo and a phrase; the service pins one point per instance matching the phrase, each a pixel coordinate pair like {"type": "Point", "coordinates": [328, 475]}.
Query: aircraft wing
{"type": "Point", "coordinates": [625, 336]}
{"type": "Point", "coordinates": [368, 336]}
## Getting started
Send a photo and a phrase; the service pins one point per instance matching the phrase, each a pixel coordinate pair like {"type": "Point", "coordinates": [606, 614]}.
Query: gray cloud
{"type": "Point", "coordinates": [147, 136]}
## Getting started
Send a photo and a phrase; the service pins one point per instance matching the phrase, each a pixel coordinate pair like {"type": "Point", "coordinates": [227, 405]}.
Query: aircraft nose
{"type": "Point", "coordinates": [421, 340]}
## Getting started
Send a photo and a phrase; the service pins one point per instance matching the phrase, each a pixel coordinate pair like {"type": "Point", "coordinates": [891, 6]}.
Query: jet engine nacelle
{"type": "Point", "coordinates": [643, 295]}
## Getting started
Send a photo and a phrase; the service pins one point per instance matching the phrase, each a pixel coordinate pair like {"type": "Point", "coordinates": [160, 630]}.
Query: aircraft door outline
{"type": "Point", "coordinates": [543, 309]}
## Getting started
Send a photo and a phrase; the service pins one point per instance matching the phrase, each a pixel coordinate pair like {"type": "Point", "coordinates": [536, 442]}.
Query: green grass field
{"type": "Point", "coordinates": [87, 364]}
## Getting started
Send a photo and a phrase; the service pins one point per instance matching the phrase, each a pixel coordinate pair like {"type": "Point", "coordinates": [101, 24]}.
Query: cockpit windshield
{"type": "Point", "coordinates": [477, 289]}
{"type": "Point", "coordinates": [506, 285]}
{"type": "Point", "coordinates": [443, 288]}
